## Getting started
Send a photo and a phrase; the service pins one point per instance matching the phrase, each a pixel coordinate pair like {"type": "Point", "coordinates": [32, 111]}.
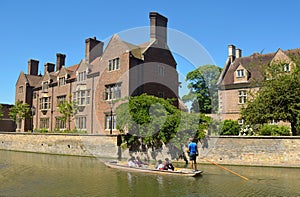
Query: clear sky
{"type": "Point", "coordinates": [39, 29]}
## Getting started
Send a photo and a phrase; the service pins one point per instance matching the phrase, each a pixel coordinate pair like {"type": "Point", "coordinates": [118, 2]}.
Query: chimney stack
{"type": "Point", "coordinates": [93, 49]}
{"type": "Point", "coordinates": [231, 52]}
{"type": "Point", "coordinates": [33, 67]}
{"type": "Point", "coordinates": [238, 53]}
{"type": "Point", "coordinates": [48, 67]}
{"type": "Point", "coordinates": [158, 28]}
{"type": "Point", "coordinates": [60, 60]}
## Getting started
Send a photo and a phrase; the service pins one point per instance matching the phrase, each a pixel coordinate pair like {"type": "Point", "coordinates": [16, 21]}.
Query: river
{"type": "Point", "coordinates": [31, 174]}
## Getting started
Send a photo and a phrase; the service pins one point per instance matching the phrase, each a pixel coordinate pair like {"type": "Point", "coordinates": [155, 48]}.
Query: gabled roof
{"type": "Point", "coordinates": [254, 63]}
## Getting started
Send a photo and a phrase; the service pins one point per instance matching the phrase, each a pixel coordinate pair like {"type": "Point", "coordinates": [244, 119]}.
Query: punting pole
{"type": "Point", "coordinates": [227, 169]}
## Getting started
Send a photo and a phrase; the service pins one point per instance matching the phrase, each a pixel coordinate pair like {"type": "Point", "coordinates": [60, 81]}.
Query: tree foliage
{"type": "Point", "coordinates": [1, 112]}
{"type": "Point", "coordinates": [203, 89]}
{"type": "Point", "coordinates": [230, 127]}
{"type": "Point", "coordinates": [150, 122]}
{"type": "Point", "coordinates": [278, 99]}
{"type": "Point", "coordinates": [19, 112]}
{"type": "Point", "coordinates": [67, 109]}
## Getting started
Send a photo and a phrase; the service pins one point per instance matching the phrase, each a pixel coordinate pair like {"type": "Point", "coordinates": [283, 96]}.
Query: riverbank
{"type": "Point", "coordinates": [234, 150]}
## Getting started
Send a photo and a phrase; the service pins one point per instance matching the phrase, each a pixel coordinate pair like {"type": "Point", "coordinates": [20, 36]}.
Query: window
{"type": "Point", "coordinates": [240, 73]}
{"type": "Point", "coordinates": [45, 103]}
{"type": "Point", "coordinates": [112, 91]}
{"type": "Point", "coordinates": [274, 122]}
{"type": "Point", "coordinates": [81, 76]}
{"type": "Point", "coordinates": [61, 99]}
{"type": "Point", "coordinates": [108, 123]}
{"type": "Point", "coordinates": [34, 95]}
{"type": "Point", "coordinates": [241, 121]}
{"type": "Point", "coordinates": [45, 86]}
{"type": "Point", "coordinates": [81, 122]}
{"type": "Point", "coordinates": [286, 68]}
{"type": "Point", "coordinates": [20, 89]}
{"type": "Point", "coordinates": [62, 81]}
{"type": "Point", "coordinates": [160, 94]}
{"type": "Point", "coordinates": [114, 64]}
{"type": "Point", "coordinates": [59, 123]}
{"type": "Point", "coordinates": [44, 123]}
{"type": "Point", "coordinates": [242, 96]}
{"type": "Point", "coordinates": [82, 97]}
{"type": "Point", "coordinates": [161, 71]}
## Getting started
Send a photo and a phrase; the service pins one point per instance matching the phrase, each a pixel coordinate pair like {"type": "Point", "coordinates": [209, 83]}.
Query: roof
{"type": "Point", "coordinates": [255, 64]}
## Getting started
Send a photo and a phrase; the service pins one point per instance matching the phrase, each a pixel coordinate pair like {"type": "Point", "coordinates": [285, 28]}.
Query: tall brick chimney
{"type": "Point", "coordinates": [33, 67]}
{"type": "Point", "coordinates": [158, 27]}
{"type": "Point", "coordinates": [238, 53]}
{"type": "Point", "coordinates": [93, 49]}
{"type": "Point", "coordinates": [49, 67]}
{"type": "Point", "coordinates": [60, 60]}
{"type": "Point", "coordinates": [231, 52]}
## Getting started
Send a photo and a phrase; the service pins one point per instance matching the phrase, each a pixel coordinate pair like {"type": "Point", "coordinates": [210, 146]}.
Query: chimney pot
{"type": "Point", "coordinates": [93, 49]}
{"type": "Point", "coordinates": [33, 67]}
{"type": "Point", "coordinates": [49, 67]}
{"type": "Point", "coordinates": [238, 53]}
{"type": "Point", "coordinates": [60, 60]}
{"type": "Point", "coordinates": [158, 28]}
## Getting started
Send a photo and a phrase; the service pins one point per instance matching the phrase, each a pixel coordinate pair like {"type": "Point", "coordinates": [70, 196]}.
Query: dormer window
{"type": "Point", "coordinates": [114, 64]}
{"type": "Point", "coordinates": [62, 81]}
{"type": "Point", "coordinates": [240, 73]}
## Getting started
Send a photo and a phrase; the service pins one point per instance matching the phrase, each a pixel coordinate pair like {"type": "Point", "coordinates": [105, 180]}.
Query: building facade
{"type": "Point", "coordinates": [119, 70]}
{"type": "Point", "coordinates": [6, 123]}
{"type": "Point", "coordinates": [241, 75]}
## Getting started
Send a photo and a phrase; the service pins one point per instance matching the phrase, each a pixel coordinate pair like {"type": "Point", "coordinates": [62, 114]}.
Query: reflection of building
{"type": "Point", "coordinates": [6, 124]}
{"type": "Point", "coordinates": [122, 69]}
{"type": "Point", "coordinates": [240, 75]}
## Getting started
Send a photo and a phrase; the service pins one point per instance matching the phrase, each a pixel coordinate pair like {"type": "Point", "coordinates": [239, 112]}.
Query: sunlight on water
{"type": "Point", "coordinates": [29, 174]}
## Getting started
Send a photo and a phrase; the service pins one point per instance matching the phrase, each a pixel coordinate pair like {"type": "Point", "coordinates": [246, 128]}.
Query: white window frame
{"type": "Point", "coordinates": [240, 73]}
{"type": "Point", "coordinates": [242, 94]}
{"type": "Point", "coordinates": [112, 91]}
{"type": "Point", "coordinates": [108, 121]}
{"type": "Point", "coordinates": [114, 64]}
{"type": "Point", "coordinates": [81, 122]}
{"type": "Point", "coordinates": [45, 103]}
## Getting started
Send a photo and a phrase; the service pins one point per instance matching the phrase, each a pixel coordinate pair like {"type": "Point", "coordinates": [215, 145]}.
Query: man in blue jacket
{"type": "Point", "coordinates": [193, 153]}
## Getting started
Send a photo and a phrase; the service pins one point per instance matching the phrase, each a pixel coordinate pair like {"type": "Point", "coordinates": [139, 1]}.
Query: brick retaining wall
{"type": "Point", "coordinates": [262, 151]}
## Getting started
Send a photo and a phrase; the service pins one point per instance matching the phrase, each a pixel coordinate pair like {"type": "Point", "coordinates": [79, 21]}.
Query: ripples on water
{"type": "Point", "coordinates": [29, 174]}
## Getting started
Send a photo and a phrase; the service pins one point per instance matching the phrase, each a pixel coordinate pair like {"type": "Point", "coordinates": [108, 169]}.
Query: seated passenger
{"type": "Point", "coordinates": [131, 162]}
{"type": "Point", "coordinates": [139, 162]}
{"type": "Point", "coordinates": [160, 165]}
{"type": "Point", "coordinates": [168, 165]}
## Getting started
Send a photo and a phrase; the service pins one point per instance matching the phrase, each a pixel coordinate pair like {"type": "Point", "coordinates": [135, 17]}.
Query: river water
{"type": "Point", "coordinates": [31, 174]}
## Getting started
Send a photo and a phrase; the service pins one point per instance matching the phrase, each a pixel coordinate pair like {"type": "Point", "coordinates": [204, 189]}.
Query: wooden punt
{"type": "Point", "coordinates": [177, 172]}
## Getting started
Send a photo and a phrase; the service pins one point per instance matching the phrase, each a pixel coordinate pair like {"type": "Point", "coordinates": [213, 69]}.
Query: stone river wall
{"type": "Point", "coordinates": [253, 151]}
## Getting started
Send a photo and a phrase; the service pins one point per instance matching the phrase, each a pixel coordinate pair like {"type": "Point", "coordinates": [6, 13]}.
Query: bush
{"type": "Point", "coordinates": [230, 127]}
{"type": "Point", "coordinates": [274, 130]}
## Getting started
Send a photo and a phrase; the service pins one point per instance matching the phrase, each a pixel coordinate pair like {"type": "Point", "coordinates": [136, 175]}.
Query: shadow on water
{"type": "Point", "coordinates": [28, 174]}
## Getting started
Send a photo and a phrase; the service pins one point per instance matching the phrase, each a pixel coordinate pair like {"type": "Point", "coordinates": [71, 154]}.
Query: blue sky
{"type": "Point", "coordinates": [40, 29]}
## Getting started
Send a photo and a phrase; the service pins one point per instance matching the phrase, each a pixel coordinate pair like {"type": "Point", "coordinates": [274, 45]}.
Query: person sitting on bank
{"type": "Point", "coordinates": [160, 165]}
{"type": "Point", "coordinates": [168, 165]}
{"type": "Point", "coordinates": [193, 153]}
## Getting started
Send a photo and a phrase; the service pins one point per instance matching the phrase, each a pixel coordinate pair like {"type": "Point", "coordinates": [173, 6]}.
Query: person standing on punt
{"type": "Point", "coordinates": [193, 153]}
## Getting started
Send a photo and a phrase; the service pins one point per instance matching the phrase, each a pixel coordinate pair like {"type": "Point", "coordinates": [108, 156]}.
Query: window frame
{"type": "Point", "coordinates": [242, 96]}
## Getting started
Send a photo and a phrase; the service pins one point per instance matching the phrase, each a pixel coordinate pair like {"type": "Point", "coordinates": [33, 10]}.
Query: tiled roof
{"type": "Point", "coordinates": [255, 64]}
{"type": "Point", "coordinates": [34, 80]}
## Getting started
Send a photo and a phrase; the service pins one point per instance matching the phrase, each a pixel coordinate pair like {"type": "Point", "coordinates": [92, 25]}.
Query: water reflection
{"type": "Point", "coordinates": [28, 174]}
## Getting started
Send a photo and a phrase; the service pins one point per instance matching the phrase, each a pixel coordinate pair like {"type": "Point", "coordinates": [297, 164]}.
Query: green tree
{"type": "Point", "coordinates": [19, 112]}
{"type": "Point", "coordinates": [67, 109]}
{"type": "Point", "coordinates": [230, 127]}
{"type": "Point", "coordinates": [1, 112]}
{"type": "Point", "coordinates": [150, 122]}
{"type": "Point", "coordinates": [203, 89]}
{"type": "Point", "coordinates": [278, 99]}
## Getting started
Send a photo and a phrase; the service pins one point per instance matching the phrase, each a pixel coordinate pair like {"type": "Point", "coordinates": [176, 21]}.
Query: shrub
{"type": "Point", "coordinates": [274, 130]}
{"type": "Point", "coordinates": [230, 127]}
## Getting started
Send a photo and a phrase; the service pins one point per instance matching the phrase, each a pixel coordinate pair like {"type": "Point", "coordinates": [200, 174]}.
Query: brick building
{"type": "Point", "coordinates": [121, 69]}
{"type": "Point", "coordinates": [241, 74]}
{"type": "Point", "coordinates": [6, 124]}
